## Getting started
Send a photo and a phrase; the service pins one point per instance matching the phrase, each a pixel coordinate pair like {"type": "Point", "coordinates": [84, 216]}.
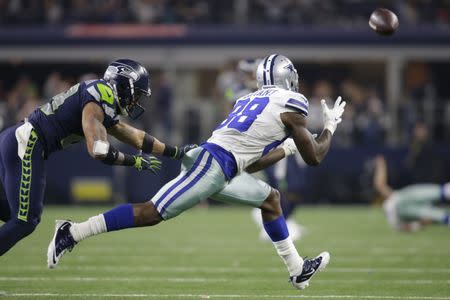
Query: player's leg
{"type": "Point", "coordinates": [5, 212]}
{"type": "Point", "coordinates": [246, 189]}
{"type": "Point", "coordinates": [423, 213]}
{"type": "Point", "coordinates": [201, 177]}
{"type": "Point", "coordinates": [415, 203]}
{"type": "Point", "coordinates": [424, 194]}
{"type": "Point", "coordinates": [278, 179]}
{"type": "Point", "coordinates": [173, 198]}
{"type": "Point", "coordinates": [24, 183]}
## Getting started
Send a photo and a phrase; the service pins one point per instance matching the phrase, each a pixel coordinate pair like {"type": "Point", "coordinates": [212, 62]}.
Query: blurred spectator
{"type": "Point", "coordinates": [191, 11]}
{"type": "Point", "coordinates": [80, 11]}
{"type": "Point", "coordinates": [294, 12]}
{"type": "Point", "coordinates": [22, 96]}
{"type": "Point", "coordinates": [53, 11]}
{"type": "Point", "coordinates": [421, 162]}
{"type": "Point", "coordinates": [365, 113]}
{"type": "Point", "coordinates": [322, 89]}
{"type": "Point", "coordinates": [147, 11]}
{"type": "Point", "coordinates": [161, 107]}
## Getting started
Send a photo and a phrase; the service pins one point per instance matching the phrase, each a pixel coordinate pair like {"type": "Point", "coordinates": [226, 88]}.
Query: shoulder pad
{"type": "Point", "coordinates": [101, 92]}
{"type": "Point", "coordinates": [297, 102]}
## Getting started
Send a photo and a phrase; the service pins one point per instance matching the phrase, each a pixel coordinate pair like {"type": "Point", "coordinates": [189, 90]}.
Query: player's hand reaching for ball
{"type": "Point", "coordinates": [144, 161]}
{"type": "Point", "coordinates": [332, 116]}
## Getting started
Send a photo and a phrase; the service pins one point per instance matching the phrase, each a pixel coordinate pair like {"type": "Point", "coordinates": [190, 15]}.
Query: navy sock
{"type": "Point", "coordinates": [447, 219]}
{"type": "Point", "coordinates": [120, 217]}
{"type": "Point", "coordinates": [277, 229]}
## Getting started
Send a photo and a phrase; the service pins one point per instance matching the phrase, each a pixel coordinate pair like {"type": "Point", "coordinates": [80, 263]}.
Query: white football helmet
{"type": "Point", "coordinates": [279, 71]}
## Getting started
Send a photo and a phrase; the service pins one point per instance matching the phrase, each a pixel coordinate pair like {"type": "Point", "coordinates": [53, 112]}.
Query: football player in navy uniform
{"type": "Point", "coordinates": [88, 110]}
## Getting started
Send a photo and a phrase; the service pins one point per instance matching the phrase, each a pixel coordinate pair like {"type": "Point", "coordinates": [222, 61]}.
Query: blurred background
{"type": "Point", "coordinates": [397, 88]}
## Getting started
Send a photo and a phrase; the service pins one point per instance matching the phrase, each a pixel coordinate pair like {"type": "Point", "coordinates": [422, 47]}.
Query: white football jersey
{"type": "Point", "coordinates": [254, 127]}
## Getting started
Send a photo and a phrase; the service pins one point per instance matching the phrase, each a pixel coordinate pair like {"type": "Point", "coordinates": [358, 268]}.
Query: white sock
{"type": "Point", "coordinates": [286, 250]}
{"type": "Point", "coordinates": [93, 226]}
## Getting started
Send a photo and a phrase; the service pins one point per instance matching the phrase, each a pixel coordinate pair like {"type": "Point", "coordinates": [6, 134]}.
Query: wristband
{"type": "Point", "coordinates": [331, 127]}
{"type": "Point", "coordinates": [111, 157]}
{"type": "Point", "coordinates": [147, 143]}
{"type": "Point", "coordinates": [170, 151]}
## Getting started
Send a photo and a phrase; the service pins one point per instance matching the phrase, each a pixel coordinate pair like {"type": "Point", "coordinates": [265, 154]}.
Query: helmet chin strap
{"type": "Point", "coordinates": [123, 112]}
{"type": "Point", "coordinates": [131, 87]}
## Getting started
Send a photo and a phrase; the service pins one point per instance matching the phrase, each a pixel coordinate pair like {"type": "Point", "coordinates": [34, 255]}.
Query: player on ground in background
{"type": "Point", "coordinates": [412, 207]}
{"type": "Point", "coordinates": [243, 142]}
{"type": "Point", "coordinates": [88, 110]}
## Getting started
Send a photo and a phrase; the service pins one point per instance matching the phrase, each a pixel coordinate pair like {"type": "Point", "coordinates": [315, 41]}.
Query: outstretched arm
{"type": "Point", "coordinates": [284, 150]}
{"type": "Point", "coordinates": [266, 161]}
{"type": "Point", "coordinates": [135, 137]}
{"type": "Point", "coordinates": [99, 147]}
{"type": "Point", "coordinates": [313, 150]}
{"type": "Point", "coordinates": [380, 177]}
{"type": "Point", "coordinates": [142, 141]}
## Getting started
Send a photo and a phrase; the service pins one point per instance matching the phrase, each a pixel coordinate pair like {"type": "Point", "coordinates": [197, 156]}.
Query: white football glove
{"type": "Point", "coordinates": [332, 117]}
{"type": "Point", "coordinates": [289, 147]}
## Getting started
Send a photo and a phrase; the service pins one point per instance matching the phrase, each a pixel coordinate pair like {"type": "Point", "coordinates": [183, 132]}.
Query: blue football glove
{"type": "Point", "coordinates": [144, 161]}
{"type": "Point", "coordinates": [182, 150]}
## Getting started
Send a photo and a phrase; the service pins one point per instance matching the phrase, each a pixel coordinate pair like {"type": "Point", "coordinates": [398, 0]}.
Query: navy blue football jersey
{"type": "Point", "coordinates": [58, 122]}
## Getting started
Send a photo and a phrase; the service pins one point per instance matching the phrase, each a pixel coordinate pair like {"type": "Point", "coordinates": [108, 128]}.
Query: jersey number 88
{"type": "Point", "coordinates": [244, 113]}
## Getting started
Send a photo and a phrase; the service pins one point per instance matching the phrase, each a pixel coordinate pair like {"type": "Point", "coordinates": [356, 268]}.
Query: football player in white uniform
{"type": "Point", "coordinates": [244, 85]}
{"type": "Point", "coordinates": [259, 123]}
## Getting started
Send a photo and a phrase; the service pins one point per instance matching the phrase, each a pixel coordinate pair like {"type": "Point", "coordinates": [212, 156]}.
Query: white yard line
{"type": "Point", "coordinates": [236, 269]}
{"type": "Point", "coordinates": [199, 296]}
{"type": "Point", "coordinates": [211, 280]}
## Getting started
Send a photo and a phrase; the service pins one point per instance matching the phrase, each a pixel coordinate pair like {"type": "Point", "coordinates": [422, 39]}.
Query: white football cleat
{"type": "Point", "coordinates": [61, 243]}
{"type": "Point", "coordinates": [310, 268]}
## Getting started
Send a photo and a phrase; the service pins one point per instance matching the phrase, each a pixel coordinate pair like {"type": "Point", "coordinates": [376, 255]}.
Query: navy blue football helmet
{"type": "Point", "coordinates": [132, 84]}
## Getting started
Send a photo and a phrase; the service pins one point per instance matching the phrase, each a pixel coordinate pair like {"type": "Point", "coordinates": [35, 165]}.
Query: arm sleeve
{"type": "Point", "coordinates": [100, 93]}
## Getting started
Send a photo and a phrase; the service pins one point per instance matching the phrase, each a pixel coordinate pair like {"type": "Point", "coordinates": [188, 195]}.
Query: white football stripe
{"type": "Point", "coordinates": [185, 182]}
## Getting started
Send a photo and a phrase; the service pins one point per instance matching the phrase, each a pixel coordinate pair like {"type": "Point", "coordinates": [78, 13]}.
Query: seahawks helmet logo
{"type": "Point", "coordinates": [122, 70]}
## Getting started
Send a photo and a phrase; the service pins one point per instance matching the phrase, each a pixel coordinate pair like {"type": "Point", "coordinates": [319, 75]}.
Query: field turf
{"type": "Point", "coordinates": [215, 254]}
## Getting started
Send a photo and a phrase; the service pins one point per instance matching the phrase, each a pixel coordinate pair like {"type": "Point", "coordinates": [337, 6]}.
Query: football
{"type": "Point", "coordinates": [383, 21]}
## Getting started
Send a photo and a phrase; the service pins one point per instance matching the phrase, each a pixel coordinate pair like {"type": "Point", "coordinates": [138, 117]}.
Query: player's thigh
{"type": "Point", "coordinates": [244, 189]}
{"type": "Point", "coordinates": [421, 212]}
{"type": "Point", "coordinates": [201, 176]}
{"type": "Point", "coordinates": [24, 182]}
{"type": "Point", "coordinates": [419, 194]}
{"type": "Point", "coordinates": [5, 213]}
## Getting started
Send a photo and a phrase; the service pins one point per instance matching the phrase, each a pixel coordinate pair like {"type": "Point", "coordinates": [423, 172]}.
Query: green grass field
{"type": "Point", "coordinates": [215, 253]}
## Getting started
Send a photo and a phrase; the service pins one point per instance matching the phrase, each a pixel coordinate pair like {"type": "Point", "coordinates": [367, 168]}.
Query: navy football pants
{"type": "Point", "coordinates": [23, 182]}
